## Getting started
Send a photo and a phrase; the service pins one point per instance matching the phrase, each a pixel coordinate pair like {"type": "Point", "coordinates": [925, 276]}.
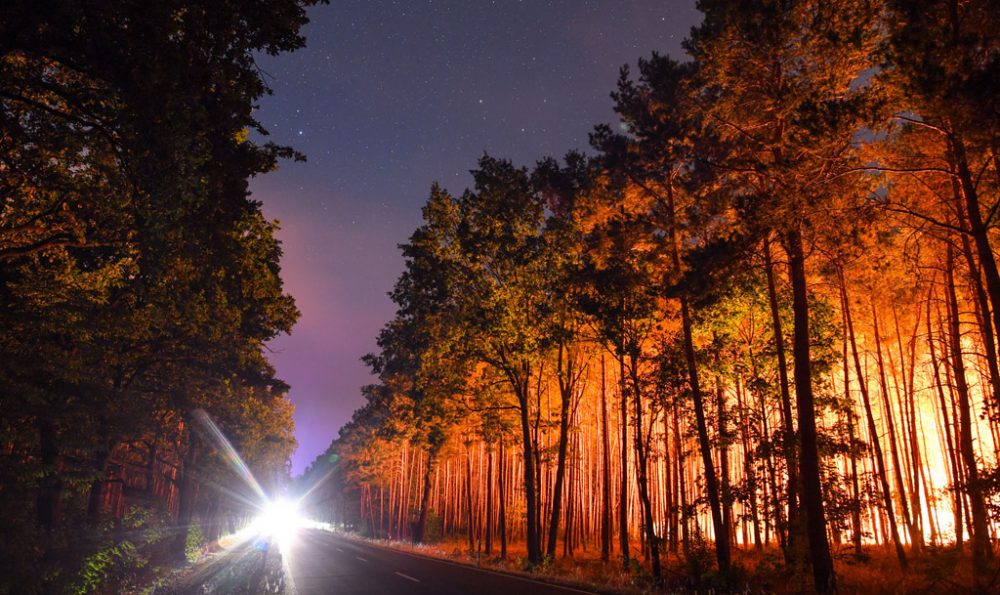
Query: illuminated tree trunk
{"type": "Point", "coordinates": [623, 493]}
{"type": "Point", "coordinates": [750, 474]}
{"type": "Point", "coordinates": [946, 424]}
{"type": "Point", "coordinates": [606, 540]}
{"type": "Point", "coordinates": [855, 491]}
{"type": "Point", "coordinates": [534, 549]}
{"type": "Point", "coordinates": [670, 496]}
{"type": "Point", "coordinates": [812, 491]}
{"type": "Point", "coordinates": [502, 521]}
{"type": "Point", "coordinates": [727, 501]}
{"type": "Point", "coordinates": [978, 228]}
{"type": "Point", "coordinates": [569, 535]}
{"type": "Point", "coordinates": [722, 541]}
{"type": "Point", "coordinates": [567, 386]}
{"type": "Point", "coordinates": [489, 500]}
{"type": "Point", "coordinates": [681, 482]}
{"type": "Point", "coordinates": [471, 519]}
{"type": "Point", "coordinates": [642, 471]}
{"type": "Point", "coordinates": [891, 426]}
{"type": "Point", "coordinates": [982, 552]}
{"type": "Point", "coordinates": [872, 428]}
{"type": "Point", "coordinates": [722, 549]}
{"type": "Point", "coordinates": [791, 488]}
{"type": "Point", "coordinates": [987, 327]}
{"type": "Point", "coordinates": [420, 530]}
{"type": "Point", "coordinates": [908, 408]}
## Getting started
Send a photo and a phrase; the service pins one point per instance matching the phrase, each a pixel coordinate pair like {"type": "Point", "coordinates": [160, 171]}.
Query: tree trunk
{"type": "Point", "coordinates": [749, 471]}
{"type": "Point", "coordinates": [95, 499]}
{"type": "Point", "coordinates": [534, 549]}
{"type": "Point", "coordinates": [489, 500]}
{"type": "Point", "coordinates": [502, 520]}
{"type": "Point", "coordinates": [670, 493]}
{"type": "Point", "coordinates": [471, 519]}
{"type": "Point", "coordinates": [185, 500]}
{"type": "Point", "coordinates": [420, 530]}
{"type": "Point", "coordinates": [727, 500]}
{"type": "Point", "coordinates": [946, 424]}
{"type": "Point", "coordinates": [606, 541]}
{"type": "Point", "coordinates": [982, 552]}
{"type": "Point", "coordinates": [872, 428]}
{"type": "Point", "coordinates": [791, 488]}
{"type": "Point", "coordinates": [642, 469]}
{"type": "Point", "coordinates": [891, 425]}
{"type": "Point", "coordinates": [812, 491]}
{"type": "Point", "coordinates": [722, 550]}
{"type": "Point", "coordinates": [978, 229]}
{"type": "Point", "coordinates": [987, 327]}
{"type": "Point", "coordinates": [567, 386]}
{"type": "Point", "coordinates": [623, 494]}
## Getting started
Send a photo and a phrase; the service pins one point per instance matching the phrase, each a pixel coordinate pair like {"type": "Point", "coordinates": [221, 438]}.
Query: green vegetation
{"type": "Point", "coordinates": [762, 315]}
{"type": "Point", "coordinates": [138, 281]}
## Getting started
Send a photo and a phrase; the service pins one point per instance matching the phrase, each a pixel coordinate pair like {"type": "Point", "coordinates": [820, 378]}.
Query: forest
{"type": "Point", "coordinates": [139, 283]}
{"type": "Point", "coordinates": [756, 323]}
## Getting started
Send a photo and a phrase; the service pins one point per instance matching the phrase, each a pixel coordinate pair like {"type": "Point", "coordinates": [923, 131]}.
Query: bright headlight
{"type": "Point", "coordinates": [279, 520]}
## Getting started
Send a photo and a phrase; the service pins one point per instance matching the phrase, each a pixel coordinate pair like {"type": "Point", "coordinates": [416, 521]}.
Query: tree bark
{"type": "Point", "coordinates": [982, 552]}
{"type": "Point", "coordinates": [812, 491]}
{"type": "Point", "coordinates": [534, 549]}
{"type": "Point", "coordinates": [890, 423]}
{"type": "Point", "coordinates": [606, 540]}
{"type": "Point", "coordinates": [642, 469]}
{"type": "Point", "coordinates": [722, 551]}
{"type": "Point", "coordinates": [872, 428]}
{"type": "Point", "coordinates": [623, 494]}
{"type": "Point", "coordinates": [502, 520]}
{"type": "Point", "coordinates": [791, 488]}
{"type": "Point", "coordinates": [567, 387]}
{"type": "Point", "coordinates": [420, 530]}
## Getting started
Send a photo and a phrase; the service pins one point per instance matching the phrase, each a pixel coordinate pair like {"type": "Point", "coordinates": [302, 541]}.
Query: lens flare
{"type": "Point", "coordinates": [280, 521]}
{"type": "Point", "coordinates": [232, 458]}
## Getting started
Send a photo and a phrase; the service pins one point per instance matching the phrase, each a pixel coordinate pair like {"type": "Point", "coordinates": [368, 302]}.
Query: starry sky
{"type": "Point", "coordinates": [390, 96]}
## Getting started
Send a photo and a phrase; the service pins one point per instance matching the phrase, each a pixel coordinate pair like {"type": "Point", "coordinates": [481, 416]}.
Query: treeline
{"type": "Point", "coordinates": [762, 313]}
{"type": "Point", "coordinates": [138, 283]}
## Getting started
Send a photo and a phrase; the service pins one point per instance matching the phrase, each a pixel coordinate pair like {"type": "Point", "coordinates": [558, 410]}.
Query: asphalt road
{"type": "Point", "coordinates": [321, 563]}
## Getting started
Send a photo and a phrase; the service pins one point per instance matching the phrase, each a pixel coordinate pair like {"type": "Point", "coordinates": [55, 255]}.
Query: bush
{"type": "Point", "coordinates": [194, 544]}
{"type": "Point", "coordinates": [116, 563]}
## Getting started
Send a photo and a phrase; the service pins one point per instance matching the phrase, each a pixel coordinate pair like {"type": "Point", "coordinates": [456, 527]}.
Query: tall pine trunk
{"type": "Point", "coordinates": [890, 423]}
{"type": "Point", "coordinates": [812, 491]}
{"type": "Point", "coordinates": [872, 428]}
{"type": "Point", "coordinates": [791, 488]}
{"type": "Point", "coordinates": [982, 552]}
{"type": "Point", "coordinates": [722, 550]}
{"type": "Point", "coordinates": [567, 386]}
{"type": "Point", "coordinates": [642, 470]}
{"type": "Point", "coordinates": [623, 493]}
{"type": "Point", "coordinates": [420, 530]}
{"type": "Point", "coordinates": [606, 541]}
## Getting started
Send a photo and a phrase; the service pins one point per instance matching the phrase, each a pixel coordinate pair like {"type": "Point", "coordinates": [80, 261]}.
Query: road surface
{"type": "Point", "coordinates": [321, 563]}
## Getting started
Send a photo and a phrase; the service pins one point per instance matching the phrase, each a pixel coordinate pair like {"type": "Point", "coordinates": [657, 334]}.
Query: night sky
{"type": "Point", "coordinates": [390, 96]}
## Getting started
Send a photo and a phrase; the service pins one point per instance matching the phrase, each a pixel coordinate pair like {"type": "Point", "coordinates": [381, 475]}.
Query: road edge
{"type": "Point", "coordinates": [585, 588]}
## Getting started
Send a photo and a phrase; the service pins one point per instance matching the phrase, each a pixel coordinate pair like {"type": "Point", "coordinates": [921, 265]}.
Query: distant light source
{"type": "Point", "coordinates": [280, 521]}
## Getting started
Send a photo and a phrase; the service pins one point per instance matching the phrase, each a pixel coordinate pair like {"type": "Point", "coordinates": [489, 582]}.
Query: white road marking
{"type": "Point", "coordinates": [407, 577]}
{"type": "Point", "coordinates": [339, 549]}
{"type": "Point", "coordinates": [360, 558]}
